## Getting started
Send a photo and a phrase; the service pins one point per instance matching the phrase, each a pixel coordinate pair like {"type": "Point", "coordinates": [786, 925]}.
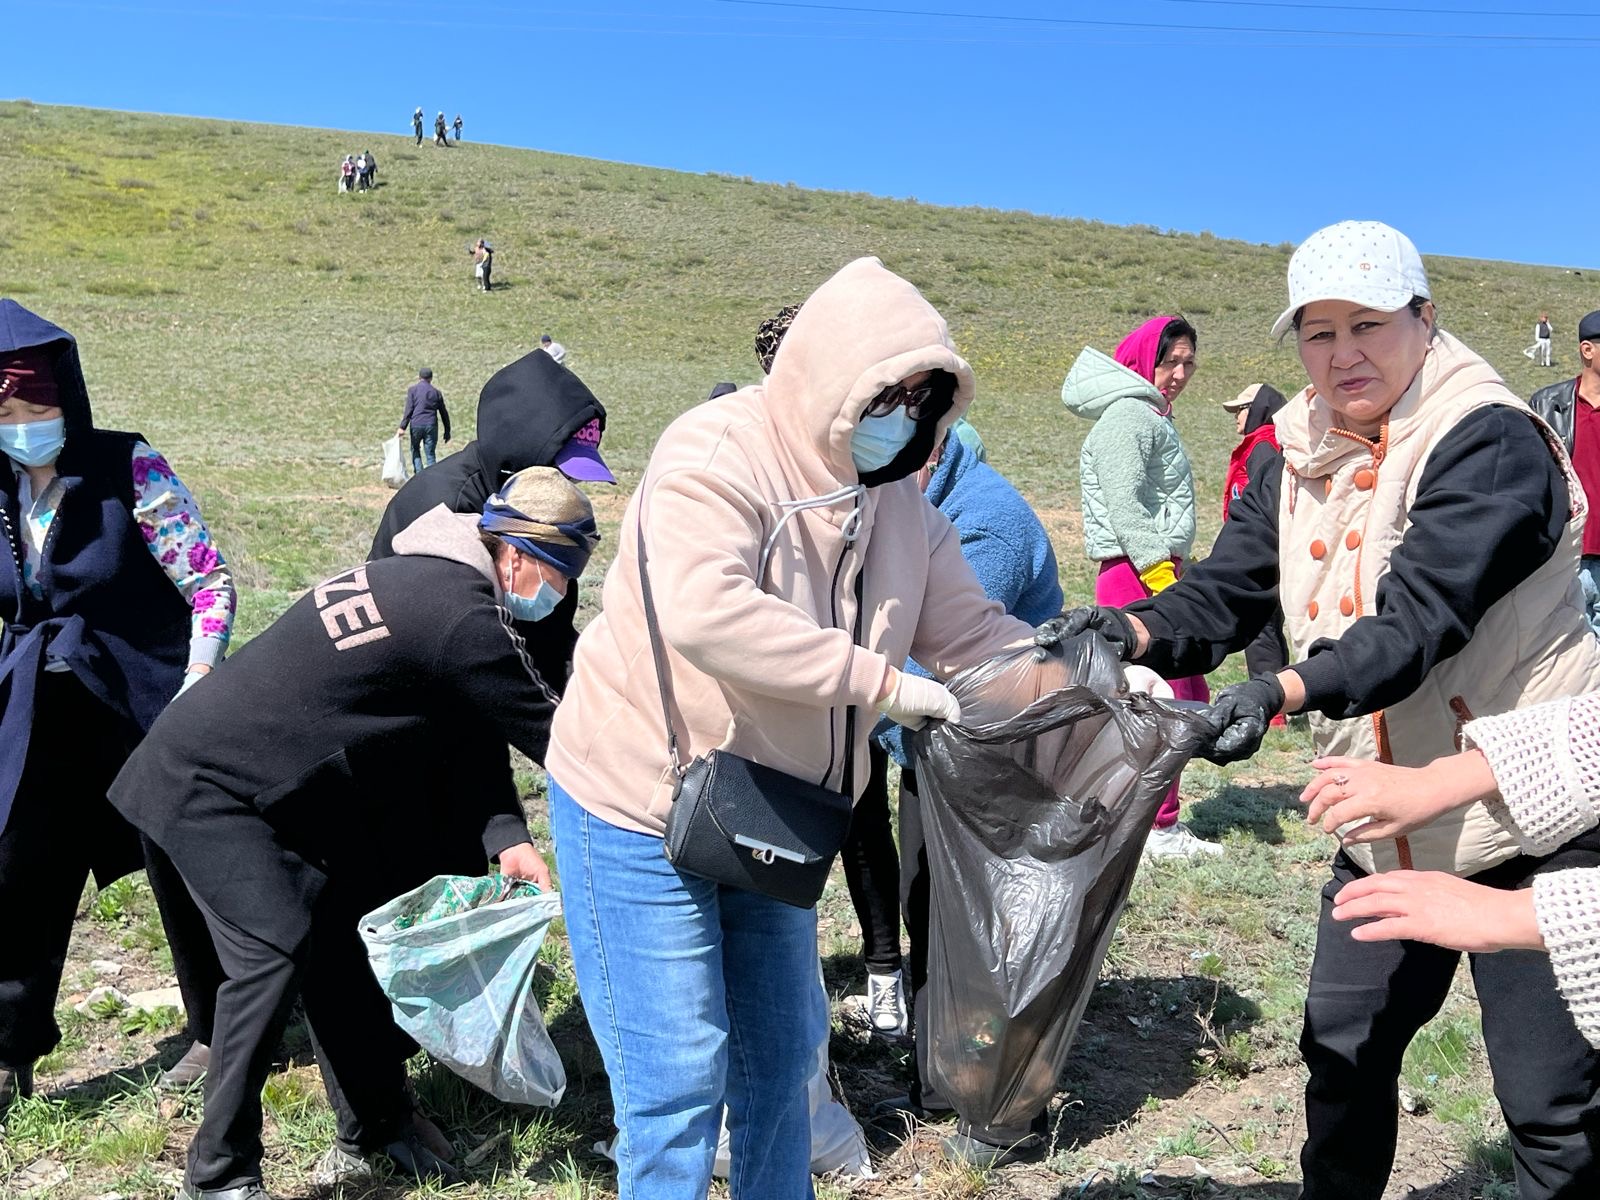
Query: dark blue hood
{"type": "Point", "coordinates": [21, 329]}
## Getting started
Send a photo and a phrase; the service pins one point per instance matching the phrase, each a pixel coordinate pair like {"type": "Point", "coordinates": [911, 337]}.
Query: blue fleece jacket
{"type": "Point", "coordinates": [1002, 540]}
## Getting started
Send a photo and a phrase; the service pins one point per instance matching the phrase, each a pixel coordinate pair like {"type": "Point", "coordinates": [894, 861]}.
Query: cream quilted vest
{"type": "Point", "coordinates": [1342, 512]}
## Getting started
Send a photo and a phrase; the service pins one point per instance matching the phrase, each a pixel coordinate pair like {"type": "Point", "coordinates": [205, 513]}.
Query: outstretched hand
{"type": "Point", "coordinates": [1443, 909]}
{"type": "Point", "coordinates": [1241, 713]}
{"type": "Point", "coordinates": [1110, 623]}
{"type": "Point", "coordinates": [1391, 801]}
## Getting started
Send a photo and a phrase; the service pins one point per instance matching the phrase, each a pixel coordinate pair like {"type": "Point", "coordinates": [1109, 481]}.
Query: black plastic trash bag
{"type": "Point", "coordinates": [1035, 808]}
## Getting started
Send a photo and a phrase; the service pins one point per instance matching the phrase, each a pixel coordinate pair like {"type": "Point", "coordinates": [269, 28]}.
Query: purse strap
{"type": "Point", "coordinates": [658, 655]}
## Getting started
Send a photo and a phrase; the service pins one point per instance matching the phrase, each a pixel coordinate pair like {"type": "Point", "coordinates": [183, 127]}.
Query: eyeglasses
{"type": "Point", "coordinates": [918, 401]}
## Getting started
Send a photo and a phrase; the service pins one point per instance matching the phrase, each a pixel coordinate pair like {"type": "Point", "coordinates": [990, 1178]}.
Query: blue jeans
{"type": "Point", "coordinates": [1589, 577]}
{"type": "Point", "coordinates": [425, 438]}
{"type": "Point", "coordinates": [698, 995]}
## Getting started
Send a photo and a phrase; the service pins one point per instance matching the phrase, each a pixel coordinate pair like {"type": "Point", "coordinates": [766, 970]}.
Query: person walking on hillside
{"type": "Point", "coordinates": [416, 124]}
{"type": "Point", "coordinates": [552, 347]}
{"type": "Point", "coordinates": [347, 174]}
{"type": "Point", "coordinates": [295, 800]}
{"type": "Point", "coordinates": [1257, 451]}
{"type": "Point", "coordinates": [531, 413]}
{"type": "Point", "coordinates": [1419, 535]}
{"type": "Point", "coordinates": [424, 411]}
{"type": "Point", "coordinates": [483, 265]}
{"type": "Point", "coordinates": [794, 565]}
{"type": "Point", "coordinates": [440, 132]}
{"type": "Point", "coordinates": [361, 172]}
{"type": "Point", "coordinates": [369, 174]}
{"type": "Point", "coordinates": [1539, 351]}
{"type": "Point", "coordinates": [114, 602]}
{"type": "Point", "coordinates": [1138, 495]}
{"type": "Point", "coordinates": [1572, 409]}
{"type": "Point", "coordinates": [456, 124]}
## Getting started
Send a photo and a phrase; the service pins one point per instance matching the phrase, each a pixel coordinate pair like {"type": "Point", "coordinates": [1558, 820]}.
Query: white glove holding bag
{"type": "Point", "coordinates": [913, 700]}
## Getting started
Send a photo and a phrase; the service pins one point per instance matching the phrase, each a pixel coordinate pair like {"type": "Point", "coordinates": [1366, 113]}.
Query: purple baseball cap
{"type": "Point", "coordinates": [580, 457]}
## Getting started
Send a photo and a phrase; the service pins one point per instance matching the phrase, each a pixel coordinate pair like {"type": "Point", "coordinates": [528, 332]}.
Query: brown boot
{"type": "Point", "coordinates": [188, 1070]}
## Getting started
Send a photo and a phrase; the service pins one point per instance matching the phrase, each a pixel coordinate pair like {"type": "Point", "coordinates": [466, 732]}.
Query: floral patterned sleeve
{"type": "Point", "coordinates": [177, 535]}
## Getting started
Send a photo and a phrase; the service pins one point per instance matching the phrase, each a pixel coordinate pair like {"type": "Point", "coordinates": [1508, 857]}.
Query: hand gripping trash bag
{"type": "Point", "coordinates": [456, 958]}
{"type": "Point", "coordinates": [1035, 809]}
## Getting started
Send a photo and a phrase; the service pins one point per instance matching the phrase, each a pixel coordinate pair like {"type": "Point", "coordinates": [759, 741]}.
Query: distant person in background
{"type": "Point", "coordinates": [1256, 453]}
{"type": "Point", "coordinates": [531, 413]}
{"type": "Point", "coordinates": [370, 174]}
{"type": "Point", "coordinates": [361, 172]}
{"type": "Point", "coordinates": [552, 347]}
{"type": "Point", "coordinates": [347, 174]}
{"type": "Point", "coordinates": [424, 411]}
{"type": "Point", "coordinates": [1540, 350]}
{"type": "Point", "coordinates": [1572, 409]}
{"type": "Point", "coordinates": [456, 124]}
{"type": "Point", "coordinates": [1138, 494]}
{"type": "Point", "coordinates": [416, 124]}
{"type": "Point", "coordinates": [113, 603]}
{"type": "Point", "coordinates": [440, 134]}
{"type": "Point", "coordinates": [483, 268]}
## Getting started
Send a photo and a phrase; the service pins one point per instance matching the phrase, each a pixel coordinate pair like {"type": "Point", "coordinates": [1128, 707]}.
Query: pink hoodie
{"type": "Point", "coordinates": [1138, 350]}
{"type": "Point", "coordinates": [755, 605]}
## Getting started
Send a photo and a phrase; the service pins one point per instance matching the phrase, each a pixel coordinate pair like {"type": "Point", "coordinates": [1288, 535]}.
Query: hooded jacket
{"type": "Point", "coordinates": [368, 724]}
{"type": "Point", "coordinates": [527, 412]}
{"type": "Point", "coordinates": [108, 611]}
{"type": "Point", "coordinates": [1134, 474]}
{"type": "Point", "coordinates": [756, 597]}
{"type": "Point", "coordinates": [1003, 541]}
{"type": "Point", "coordinates": [1257, 450]}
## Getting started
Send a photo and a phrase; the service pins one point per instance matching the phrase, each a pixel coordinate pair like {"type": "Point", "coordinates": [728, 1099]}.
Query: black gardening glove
{"type": "Point", "coordinates": [1109, 623]}
{"type": "Point", "coordinates": [1240, 715]}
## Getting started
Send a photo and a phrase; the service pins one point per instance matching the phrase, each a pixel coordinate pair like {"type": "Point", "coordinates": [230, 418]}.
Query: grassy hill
{"type": "Point", "coordinates": [260, 329]}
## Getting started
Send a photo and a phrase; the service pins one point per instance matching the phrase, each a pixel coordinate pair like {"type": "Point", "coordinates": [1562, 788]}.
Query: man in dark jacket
{"type": "Point", "coordinates": [533, 413]}
{"type": "Point", "coordinates": [424, 411]}
{"type": "Point", "coordinates": [349, 753]}
{"type": "Point", "coordinates": [1572, 409]}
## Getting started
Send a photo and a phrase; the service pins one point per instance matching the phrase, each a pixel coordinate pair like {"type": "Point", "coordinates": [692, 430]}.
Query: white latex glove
{"type": "Point", "coordinates": [913, 700]}
{"type": "Point", "coordinates": [1143, 679]}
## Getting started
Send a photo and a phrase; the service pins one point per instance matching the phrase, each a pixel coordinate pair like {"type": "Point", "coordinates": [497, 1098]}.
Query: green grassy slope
{"type": "Point", "coordinates": [260, 328]}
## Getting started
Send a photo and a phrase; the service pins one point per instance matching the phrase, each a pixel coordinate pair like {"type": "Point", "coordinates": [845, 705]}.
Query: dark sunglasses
{"type": "Point", "coordinates": [918, 401]}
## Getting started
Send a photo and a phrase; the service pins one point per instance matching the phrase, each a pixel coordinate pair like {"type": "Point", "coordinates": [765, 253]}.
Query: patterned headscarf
{"type": "Point", "coordinates": [541, 512]}
{"type": "Point", "coordinates": [769, 335]}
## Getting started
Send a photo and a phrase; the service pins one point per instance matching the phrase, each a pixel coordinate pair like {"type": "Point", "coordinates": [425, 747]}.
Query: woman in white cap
{"type": "Point", "coordinates": [1422, 534]}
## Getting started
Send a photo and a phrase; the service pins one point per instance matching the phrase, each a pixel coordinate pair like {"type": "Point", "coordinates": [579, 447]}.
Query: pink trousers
{"type": "Point", "coordinates": [1119, 584]}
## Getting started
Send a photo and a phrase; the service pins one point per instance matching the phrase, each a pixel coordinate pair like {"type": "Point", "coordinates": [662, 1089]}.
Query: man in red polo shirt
{"type": "Point", "coordinates": [1573, 410]}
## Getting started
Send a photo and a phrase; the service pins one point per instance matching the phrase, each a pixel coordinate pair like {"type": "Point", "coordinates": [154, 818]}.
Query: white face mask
{"type": "Point", "coordinates": [531, 608]}
{"type": "Point", "coordinates": [34, 443]}
{"type": "Point", "coordinates": [877, 441]}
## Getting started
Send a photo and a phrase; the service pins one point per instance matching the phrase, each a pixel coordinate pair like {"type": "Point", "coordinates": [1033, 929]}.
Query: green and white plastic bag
{"type": "Point", "coordinates": [456, 957]}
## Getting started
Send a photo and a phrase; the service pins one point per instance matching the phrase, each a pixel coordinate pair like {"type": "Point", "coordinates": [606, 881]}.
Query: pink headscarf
{"type": "Point", "coordinates": [1138, 350]}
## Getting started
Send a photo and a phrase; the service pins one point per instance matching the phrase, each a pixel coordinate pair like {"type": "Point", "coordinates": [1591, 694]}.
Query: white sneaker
{"type": "Point", "coordinates": [886, 1004]}
{"type": "Point", "coordinates": [1177, 842]}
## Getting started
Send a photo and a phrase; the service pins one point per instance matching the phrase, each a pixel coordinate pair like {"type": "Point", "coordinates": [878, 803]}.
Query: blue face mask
{"type": "Point", "coordinates": [877, 441]}
{"type": "Point", "coordinates": [34, 443]}
{"type": "Point", "coordinates": [535, 607]}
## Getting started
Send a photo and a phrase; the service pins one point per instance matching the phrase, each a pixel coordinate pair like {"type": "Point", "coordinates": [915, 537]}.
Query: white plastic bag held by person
{"type": "Point", "coordinates": [394, 461]}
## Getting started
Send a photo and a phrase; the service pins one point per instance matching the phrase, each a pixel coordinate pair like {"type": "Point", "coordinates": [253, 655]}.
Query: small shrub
{"type": "Point", "coordinates": [135, 185]}
{"type": "Point", "coordinates": [202, 215]}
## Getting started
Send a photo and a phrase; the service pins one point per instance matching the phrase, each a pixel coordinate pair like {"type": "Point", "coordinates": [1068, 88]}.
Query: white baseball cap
{"type": "Point", "coordinates": [1365, 262]}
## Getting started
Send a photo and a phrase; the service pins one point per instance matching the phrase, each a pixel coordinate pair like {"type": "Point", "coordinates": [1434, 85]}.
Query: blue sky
{"type": "Point", "coordinates": [1470, 124]}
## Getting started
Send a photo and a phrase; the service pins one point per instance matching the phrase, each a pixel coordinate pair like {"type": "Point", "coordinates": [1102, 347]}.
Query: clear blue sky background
{"type": "Point", "coordinates": [1470, 124]}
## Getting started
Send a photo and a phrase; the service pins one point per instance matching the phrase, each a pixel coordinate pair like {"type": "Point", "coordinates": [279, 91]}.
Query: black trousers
{"type": "Point", "coordinates": [1367, 1000]}
{"type": "Point", "coordinates": [361, 1052]}
{"type": "Point", "coordinates": [872, 870]}
{"type": "Point", "coordinates": [61, 825]}
{"type": "Point", "coordinates": [194, 958]}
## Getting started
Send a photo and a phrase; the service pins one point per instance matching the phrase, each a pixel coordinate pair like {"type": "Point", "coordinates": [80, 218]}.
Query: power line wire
{"type": "Point", "coordinates": [1086, 22]}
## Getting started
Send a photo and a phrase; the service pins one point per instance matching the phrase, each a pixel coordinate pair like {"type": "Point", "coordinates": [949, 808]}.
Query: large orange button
{"type": "Point", "coordinates": [1352, 540]}
{"type": "Point", "coordinates": [1365, 478]}
{"type": "Point", "coordinates": [1312, 610]}
{"type": "Point", "coordinates": [1347, 606]}
{"type": "Point", "coordinates": [1318, 548]}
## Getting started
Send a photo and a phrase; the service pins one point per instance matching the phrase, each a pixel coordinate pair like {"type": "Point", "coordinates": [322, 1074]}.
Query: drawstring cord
{"type": "Point", "coordinates": [851, 528]}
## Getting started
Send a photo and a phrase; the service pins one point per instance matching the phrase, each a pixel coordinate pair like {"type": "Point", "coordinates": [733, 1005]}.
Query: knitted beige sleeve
{"type": "Point", "coordinates": [1546, 761]}
{"type": "Point", "coordinates": [1567, 905]}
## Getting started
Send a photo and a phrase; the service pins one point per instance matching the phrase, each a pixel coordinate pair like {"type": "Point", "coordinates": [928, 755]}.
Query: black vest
{"type": "Point", "coordinates": [96, 567]}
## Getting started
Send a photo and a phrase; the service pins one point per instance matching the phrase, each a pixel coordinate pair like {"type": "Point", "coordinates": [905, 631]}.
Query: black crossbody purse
{"type": "Point", "coordinates": [744, 824]}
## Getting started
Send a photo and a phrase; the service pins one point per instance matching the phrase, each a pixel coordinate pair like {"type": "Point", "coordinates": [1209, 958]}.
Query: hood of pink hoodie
{"type": "Point", "coordinates": [862, 330]}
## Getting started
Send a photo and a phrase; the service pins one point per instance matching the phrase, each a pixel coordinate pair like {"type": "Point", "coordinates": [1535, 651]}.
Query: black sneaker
{"type": "Point", "coordinates": [964, 1148]}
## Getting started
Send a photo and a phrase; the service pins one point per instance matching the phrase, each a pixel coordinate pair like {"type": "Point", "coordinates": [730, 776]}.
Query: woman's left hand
{"type": "Point", "coordinates": [1432, 906]}
{"type": "Point", "coordinates": [1392, 801]}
